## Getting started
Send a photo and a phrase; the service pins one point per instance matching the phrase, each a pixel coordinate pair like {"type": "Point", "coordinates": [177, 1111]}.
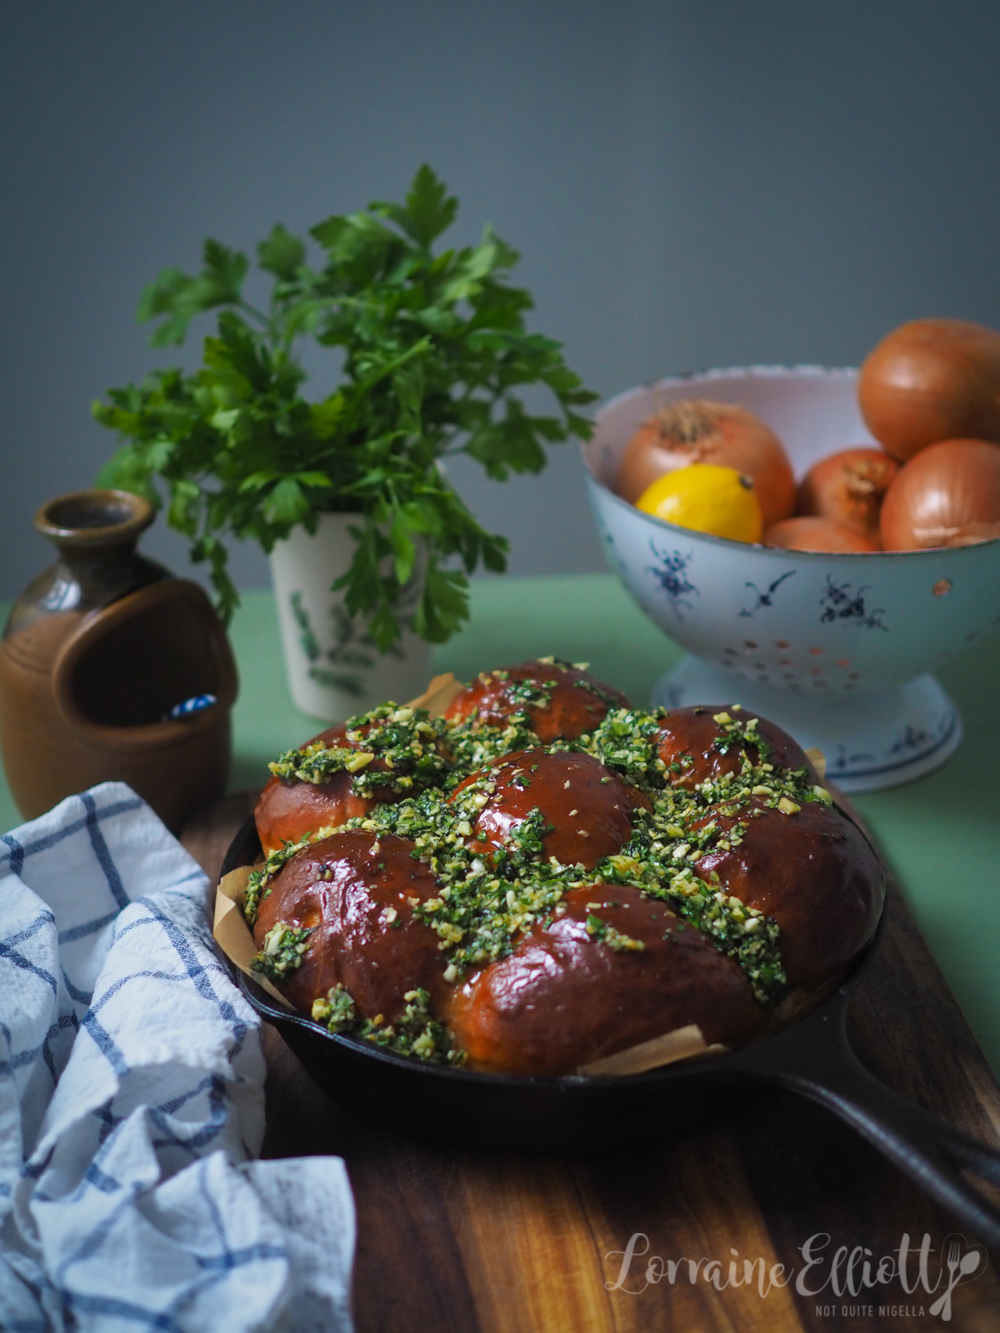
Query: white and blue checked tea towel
{"type": "Point", "coordinates": [131, 1102]}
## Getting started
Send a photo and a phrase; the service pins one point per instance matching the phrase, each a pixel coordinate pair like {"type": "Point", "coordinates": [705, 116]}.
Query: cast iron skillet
{"type": "Point", "coordinates": [811, 1057]}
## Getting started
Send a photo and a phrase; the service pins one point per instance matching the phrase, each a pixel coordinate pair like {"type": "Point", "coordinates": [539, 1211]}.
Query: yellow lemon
{"type": "Point", "coordinates": [712, 499]}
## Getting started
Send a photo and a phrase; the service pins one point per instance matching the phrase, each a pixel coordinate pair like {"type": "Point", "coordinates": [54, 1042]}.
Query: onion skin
{"type": "Point", "coordinates": [701, 431]}
{"type": "Point", "coordinates": [949, 495]}
{"type": "Point", "coordinates": [848, 487]}
{"type": "Point", "coordinates": [809, 533]}
{"type": "Point", "coordinates": [932, 380]}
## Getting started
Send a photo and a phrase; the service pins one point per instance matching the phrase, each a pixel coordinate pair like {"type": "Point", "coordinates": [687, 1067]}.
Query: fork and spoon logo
{"type": "Point", "coordinates": [961, 1268]}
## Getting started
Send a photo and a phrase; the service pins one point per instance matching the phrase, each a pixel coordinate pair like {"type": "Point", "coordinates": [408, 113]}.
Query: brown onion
{"type": "Point", "coordinates": [699, 431]}
{"type": "Point", "coordinates": [817, 534]}
{"type": "Point", "coordinates": [932, 380]}
{"type": "Point", "coordinates": [949, 495]}
{"type": "Point", "coordinates": [848, 487]}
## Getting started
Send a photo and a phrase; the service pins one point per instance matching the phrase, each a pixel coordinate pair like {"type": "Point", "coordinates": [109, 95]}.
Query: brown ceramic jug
{"type": "Point", "coordinates": [97, 653]}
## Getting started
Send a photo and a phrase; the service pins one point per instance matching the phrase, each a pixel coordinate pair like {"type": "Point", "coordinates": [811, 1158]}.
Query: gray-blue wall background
{"type": "Point", "coordinates": [690, 184]}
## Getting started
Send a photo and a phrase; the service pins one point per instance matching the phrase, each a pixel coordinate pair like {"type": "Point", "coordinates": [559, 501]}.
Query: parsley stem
{"type": "Point", "coordinates": [258, 315]}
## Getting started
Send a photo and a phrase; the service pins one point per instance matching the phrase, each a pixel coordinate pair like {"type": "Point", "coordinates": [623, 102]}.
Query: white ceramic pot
{"type": "Point", "coordinates": [837, 648]}
{"type": "Point", "coordinates": [334, 668]}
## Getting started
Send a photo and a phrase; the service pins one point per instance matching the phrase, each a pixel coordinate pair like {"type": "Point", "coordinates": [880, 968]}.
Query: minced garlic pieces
{"type": "Point", "coordinates": [359, 759]}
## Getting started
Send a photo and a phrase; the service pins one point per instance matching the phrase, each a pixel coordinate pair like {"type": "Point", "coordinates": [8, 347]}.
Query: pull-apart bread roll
{"type": "Point", "coordinates": [811, 874]}
{"type": "Point", "coordinates": [586, 809]}
{"type": "Point", "coordinates": [558, 1002]}
{"type": "Point", "coordinates": [344, 772]}
{"type": "Point", "coordinates": [690, 743]}
{"type": "Point", "coordinates": [345, 890]}
{"type": "Point", "coordinates": [545, 876]}
{"type": "Point", "coordinates": [561, 702]}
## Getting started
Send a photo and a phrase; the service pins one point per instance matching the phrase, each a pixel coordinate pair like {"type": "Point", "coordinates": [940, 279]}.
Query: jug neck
{"type": "Point", "coordinates": [93, 528]}
{"type": "Point", "coordinates": [95, 533]}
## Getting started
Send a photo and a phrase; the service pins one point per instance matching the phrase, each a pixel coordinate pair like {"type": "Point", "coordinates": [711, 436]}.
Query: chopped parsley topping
{"type": "Point", "coordinates": [626, 741]}
{"type": "Point", "coordinates": [283, 951]}
{"type": "Point", "coordinates": [742, 933]}
{"type": "Point", "coordinates": [596, 688]}
{"type": "Point", "coordinates": [404, 741]}
{"type": "Point", "coordinates": [738, 735]}
{"type": "Point", "coordinates": [473, 744]}
{"type": "Point", "coordinates": [415, 1032]}
{"type": "Point", "coordinates": [607, 934]}
{"type": "Point", "coordinates": [530, 693]}
{"type": "Point", "coordinates": [336, 1010]}
{"type": "Point", "coordinates": [486, 902]}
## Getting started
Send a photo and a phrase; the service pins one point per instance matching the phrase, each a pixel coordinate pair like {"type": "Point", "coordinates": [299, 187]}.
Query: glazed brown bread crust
{"type": "Point", "coordinates": [815, 873]}
{"type": "Point", "coordinates": [587, 807]}
{"type": "Point", "coordinates": [576, 705]}
{"type": "Point", "coordinates": [345, 889]}
{"type": "Point", "coordinates": [289, 809]}
{"type": "Point", "coordinates": [559, 1002]}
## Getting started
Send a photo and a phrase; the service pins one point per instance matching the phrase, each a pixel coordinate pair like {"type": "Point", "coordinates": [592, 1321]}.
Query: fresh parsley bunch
{"type": "Point", "coordinates": [434, 349]}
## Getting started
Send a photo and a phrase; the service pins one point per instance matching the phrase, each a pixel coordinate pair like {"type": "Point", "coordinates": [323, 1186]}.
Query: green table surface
{"type": "Point", "coordinates": [940, 834]}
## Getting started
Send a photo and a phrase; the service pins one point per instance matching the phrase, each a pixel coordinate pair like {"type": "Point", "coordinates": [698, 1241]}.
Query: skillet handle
{"type": "Point", "coordinates": [815, 1059]}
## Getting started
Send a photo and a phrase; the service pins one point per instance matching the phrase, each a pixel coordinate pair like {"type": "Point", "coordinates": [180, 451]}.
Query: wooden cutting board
{"type": "Point", "coordinates": [458, 1240]}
